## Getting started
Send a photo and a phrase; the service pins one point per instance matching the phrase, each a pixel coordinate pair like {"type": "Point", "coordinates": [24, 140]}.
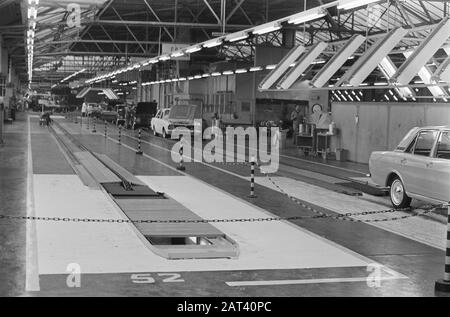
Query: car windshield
{"type": "Point", "coordinates": [407, 139]}
{"type": "Point", "coordinates": [182, 112]}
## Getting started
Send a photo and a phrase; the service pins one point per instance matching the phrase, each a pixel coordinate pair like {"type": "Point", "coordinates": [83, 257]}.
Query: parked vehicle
{"type": "Point", "coordinates": [109, 115]}
{"type": "Point", "coordinates": [179, 116]}
{"type": "Point", "coordinates": [143, 114]}
{"type": "Point", "coordinates": [160, 123]}
{"type": "Point", "coordinates": [418, 168]}
{"type": "Point", "coordinates": [94, 110]}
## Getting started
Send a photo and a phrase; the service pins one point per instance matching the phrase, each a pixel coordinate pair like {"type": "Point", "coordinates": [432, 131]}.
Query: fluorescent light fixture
{"type": "Point", "coordinates": [256, 69]}
{"type": "Point", "coordinates": [190, 77]}
{"type": "Point", "coordinates": [307, 16]}
{"type": "Point", "coordinates": [305, 61]}
{"type": "Point", "coordinates": [350, 4]}
{"type": "Point", "coordinates": [164, 58]}
{"type": "Point", "coordinates": [241, 71]}
{"type": "Point", "coordinates": [32, 13]}
{"type": "Point", "coordinates": [215, 74]}
{"type": "Point", "coordinates": [263, 29]}
{"type": "Point", "coordinates": [270, 67]}
{"type": "Point", "coordinates": [206, 75]}
{"type": "Point", "coordinates": [282, 67]}
{"type": "Point", "coordinates": [337, 61]}
{"type": "Point", "coordinates": [153, 61]}
{"type": "Point", "coordinates": [423, 53]}
{"type": "Point", "coordinates": [177, 54]}
{"type": "Point", "coordinates": [235, 37]}
{"type": "Point", "coordinates": [197, 76]}
{"type": "Point", "coordinates": [182, 78]}
{"type": "Point", "coordinates": [213, 43]}
{"type": "Point", "coordinates": [380, 84]}
{"type": "Point", "coordinates": [193, 49]}
{"type": "Point", "coordinates": [228, 72]}
{"type": "Point", "coordinates": [362, 68]}
{"type": "Point", "coordinates": [175, 80]}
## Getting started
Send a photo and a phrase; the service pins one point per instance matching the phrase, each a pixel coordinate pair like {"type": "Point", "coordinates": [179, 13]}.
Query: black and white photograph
{"type": "Point", "coordinates": [220, 156]}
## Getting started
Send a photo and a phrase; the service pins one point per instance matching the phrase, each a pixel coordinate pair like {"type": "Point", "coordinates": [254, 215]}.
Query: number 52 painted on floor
{"type": "Point", "coordinates": [148, 279]}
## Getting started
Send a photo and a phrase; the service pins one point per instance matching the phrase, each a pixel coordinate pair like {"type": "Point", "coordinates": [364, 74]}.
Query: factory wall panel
{"type": "Point", "coordinates": [372, 131]}
{"type": "Point", "coordinates": [367, 127]}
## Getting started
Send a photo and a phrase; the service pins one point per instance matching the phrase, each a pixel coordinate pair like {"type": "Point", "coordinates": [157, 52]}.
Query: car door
{"type": "Point", "coordinates": [157, 122]}
{"type": "Point", "coordinates": [439, 169]}
{"type": "Point", "coordinates": [414, 164]}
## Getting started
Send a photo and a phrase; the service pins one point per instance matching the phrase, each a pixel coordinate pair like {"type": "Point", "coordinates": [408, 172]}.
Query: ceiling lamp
{"type": "Point", "coordinates": [177, 54]}
{"type": "Point", "coordinates": [164, 58]}
{"type": "Point", "coordinates": [241, 71]}
{"type": "Point", "coordinates": [263, 29]}
{"type": "Point", "coordinates": [307, 16]}
{"type": "Point", "coordinates": [236, 37]}
{"type": "Point", "coordinates": [193, 49]}
{"type": "Point", "coordinates": [350, 4]}
{"type": "Point", "coordinates": [213, 43]}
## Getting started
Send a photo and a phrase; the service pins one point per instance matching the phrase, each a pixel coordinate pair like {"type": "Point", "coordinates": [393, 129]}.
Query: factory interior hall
{"type": "Point", "coordinates": [205, 149]}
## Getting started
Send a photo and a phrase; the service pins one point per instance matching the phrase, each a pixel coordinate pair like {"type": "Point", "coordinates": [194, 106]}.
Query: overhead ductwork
{"type": "Point", "coordinates": [305, 61]}
{"type": "Point", "coordinates": [423, 53]}
{"type": "Point", "coordinates": [362, 68]}
{"type": "Point", "coordinates": [282, 67]}
{"type": "Point", "coordinates": [337, 61]}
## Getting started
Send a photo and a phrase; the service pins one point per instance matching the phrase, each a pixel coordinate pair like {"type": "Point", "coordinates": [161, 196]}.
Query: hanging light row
{"type": "Point", "coordinates": [31, 32]}
{"type": "Point", "coordinates": [295, 19]}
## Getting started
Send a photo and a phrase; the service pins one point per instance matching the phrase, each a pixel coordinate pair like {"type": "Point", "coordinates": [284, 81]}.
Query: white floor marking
{"type": "Point", "coordinates": [114, 248]}
{"type": "Point", "coordinates": [32, 270]}
{"type": "Point", "coordinates": [310, 281]}
{"type": "Point", "coordinates": [422, 230]}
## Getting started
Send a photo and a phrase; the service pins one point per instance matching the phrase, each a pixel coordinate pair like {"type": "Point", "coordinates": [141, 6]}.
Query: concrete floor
{"type": "Point", "coordinates": [322, 257]}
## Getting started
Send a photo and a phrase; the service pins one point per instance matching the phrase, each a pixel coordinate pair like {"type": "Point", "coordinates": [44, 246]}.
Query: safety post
{"type": "Point", "coordinates": [88, 119]}
{"type": "Point", "coordinates": [93, 129]}
{"type": "Point", "coordinates": [120, 134]}
{"type": "Point", "coordinates": [81, 121]}
{"type": "Point", "coordinates": [75, 118]}
{"type": "Point", "coordinates": [139, 151]}
{"type": "Point", "coordinates": [252, 178]}
{"type": "Point", "coordinates": [444, 285]}
{"type": "Point", "coordinates": [106, 129]}
{"type": "Point", "coordinates": [181, 166]}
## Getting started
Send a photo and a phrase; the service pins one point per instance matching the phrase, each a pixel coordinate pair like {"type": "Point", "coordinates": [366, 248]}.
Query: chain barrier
{"type": "Point", "coordinates": [348, 216]}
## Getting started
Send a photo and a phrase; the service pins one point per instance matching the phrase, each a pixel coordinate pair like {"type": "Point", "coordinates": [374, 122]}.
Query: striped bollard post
{"type": "Point", "coordinates": [81, 122]}
{"type": "Point", "coordinates": [139, 151]}
{"type": "Point", "coordinates": [93, 128]}
{"type": "Point", "coordinates": [120, 134]}
{"type": "Point", "coordinates": [181, 166]}
{"type": "Point", "coordinates": [252, 178]}
{"type": "Point", "coordinates": [106, 129]}
{"type": "Point", "coordinates": [444, 285]}
{"type": "Point", "coordinates": [88, 119]}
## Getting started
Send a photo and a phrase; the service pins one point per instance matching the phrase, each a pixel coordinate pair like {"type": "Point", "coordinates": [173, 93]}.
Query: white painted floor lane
{"type": "Point", "coordinates": [420, 229]}
{"type": "Point", "coordinates": [115, 248]}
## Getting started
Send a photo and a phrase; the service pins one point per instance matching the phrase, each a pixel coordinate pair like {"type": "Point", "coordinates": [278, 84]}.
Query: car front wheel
{"type": "Point", "coordinates": [399, 198]}
{"type": "Point", "coordinates": [164, 134]}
